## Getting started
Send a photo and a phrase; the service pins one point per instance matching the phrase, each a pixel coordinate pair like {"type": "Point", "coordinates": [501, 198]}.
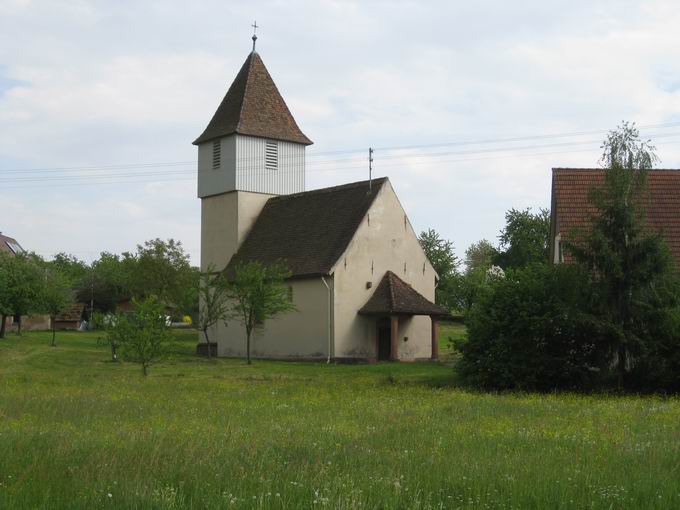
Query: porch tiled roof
{"type": "Point", "coordinates": [394, 296]}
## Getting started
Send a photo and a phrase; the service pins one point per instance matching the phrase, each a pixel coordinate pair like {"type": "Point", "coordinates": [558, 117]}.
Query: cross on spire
{"type": "Point", "coordinates": [255, 27]}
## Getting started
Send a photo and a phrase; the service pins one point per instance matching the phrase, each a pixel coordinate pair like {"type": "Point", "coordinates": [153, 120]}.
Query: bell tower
{"type": "Point", "coordinates": [252, 149]}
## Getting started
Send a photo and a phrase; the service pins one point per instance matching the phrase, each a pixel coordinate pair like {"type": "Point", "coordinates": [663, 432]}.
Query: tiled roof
{"type": "Point", "coordinates": [570, 188]}
{"type": "Point", "coordinates": [309, 231]}
{"type": "Point", "coordinates": [394, 296]}
{"type": "Point", "coordinates": [9, 245]}
{"type": "Point", "coordinates": [253, 106]}
{"type": "Point", "coordinates": [74, 313]}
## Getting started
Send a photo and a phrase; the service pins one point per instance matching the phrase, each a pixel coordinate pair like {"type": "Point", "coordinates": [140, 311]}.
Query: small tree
{"type": "Point", "coordinates": [56, 297]}
{"type": "Point", "coordinates": [258, 293]}
{"type": "Point", "coordinates": [214, 304]}
{"type": "Point", "coordinates": [114, 335]}
{"type": "Point", "coordinates": [144, 335]}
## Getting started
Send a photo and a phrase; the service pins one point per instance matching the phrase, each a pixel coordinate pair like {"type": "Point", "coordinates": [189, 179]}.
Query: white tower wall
{"type": "Point", "coordinates": [250, 163]}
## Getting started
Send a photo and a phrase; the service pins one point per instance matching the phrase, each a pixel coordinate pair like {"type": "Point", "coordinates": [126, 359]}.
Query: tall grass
{"type": "Point", "coordinates": [78, 431]}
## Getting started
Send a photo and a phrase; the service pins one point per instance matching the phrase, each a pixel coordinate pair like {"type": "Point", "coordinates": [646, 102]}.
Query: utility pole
{"type": "Point", "coordinates": [370, 169]}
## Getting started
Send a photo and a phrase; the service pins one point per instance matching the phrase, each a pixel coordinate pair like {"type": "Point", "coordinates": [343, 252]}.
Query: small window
{"type": "Point", "coordinates": [271, 155]}
{"type": "Point", "coordinates": [217, 154]}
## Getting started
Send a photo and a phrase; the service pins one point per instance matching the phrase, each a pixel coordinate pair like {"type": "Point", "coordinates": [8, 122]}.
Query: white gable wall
{"type": "Point", "coordinates": [385, 241]}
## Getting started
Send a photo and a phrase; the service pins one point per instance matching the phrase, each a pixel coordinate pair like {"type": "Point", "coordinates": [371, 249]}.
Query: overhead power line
{"type": "Point", "coordinates": [394, 158]}
{"type": "Point", "coordinates": [130, 166]}
{"type": "Point", "coordinates": [191, 174]}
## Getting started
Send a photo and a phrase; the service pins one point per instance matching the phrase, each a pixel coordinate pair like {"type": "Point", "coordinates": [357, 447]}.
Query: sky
{"type": "Point", "coordinates": [468, 105]}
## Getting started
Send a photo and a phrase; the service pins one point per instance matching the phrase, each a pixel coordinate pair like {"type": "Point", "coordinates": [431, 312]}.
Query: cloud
{"type": "Point", "coordinates": [91, 83]}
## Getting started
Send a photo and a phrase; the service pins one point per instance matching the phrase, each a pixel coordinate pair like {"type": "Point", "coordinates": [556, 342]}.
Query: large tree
{"type": "Point", "coordinates": [162, 269]}
{"type": "Point", "coordinates": [525, 238]}
{"type": "Point", "coordinates": [5, 291]}
{"type": "Point", "coordinates": [440, 253]}
{"type": "Point", "coordinates": [258, 293]}
{"type": "Point", "coordinates": [630, 264]}
{"type": "Point", "coordinates": [21, 276]}
{"type": "Point", "coordinates": [479, 256]}
{"type": "Point", "coordinates": [107, 283]}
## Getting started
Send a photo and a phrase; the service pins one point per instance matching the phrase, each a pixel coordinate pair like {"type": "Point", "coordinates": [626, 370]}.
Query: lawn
{"type": "Point", "coordinates": [78, 431]}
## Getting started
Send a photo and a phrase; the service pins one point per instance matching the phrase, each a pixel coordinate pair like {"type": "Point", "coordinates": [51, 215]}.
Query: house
{"type": "Point", "coordinates": [9, 245]}
{"type": "Point", "coordinates": [28, 322]}
{"type": "Point", "coordinates": [571, 208]}
{"type": "Point", "coordinates": [71, 318]}
{"type": "Point", "coordinates": [360, 281]}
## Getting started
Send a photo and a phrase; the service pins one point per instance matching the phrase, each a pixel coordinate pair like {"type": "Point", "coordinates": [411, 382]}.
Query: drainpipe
{"type": "Point", "coordinates": [328, 289]}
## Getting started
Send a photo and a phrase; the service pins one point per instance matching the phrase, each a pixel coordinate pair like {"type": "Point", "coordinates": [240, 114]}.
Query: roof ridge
{"type": "Point", "coordinates": [390, 288]}
{"type": "Point", "coordinates": [245, 90]}
{"type": "Point", "coordinates": [357, 184]}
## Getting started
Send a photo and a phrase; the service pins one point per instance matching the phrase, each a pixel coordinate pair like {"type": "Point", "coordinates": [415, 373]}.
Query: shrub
{"type": "Point", "coordinates": [531, 331]}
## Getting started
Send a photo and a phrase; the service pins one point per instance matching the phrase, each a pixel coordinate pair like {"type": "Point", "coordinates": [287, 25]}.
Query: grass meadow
{"type": "Point", "coordinates": [78, 431]}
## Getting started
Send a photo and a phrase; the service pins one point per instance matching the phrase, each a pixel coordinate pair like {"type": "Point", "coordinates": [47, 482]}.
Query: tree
{"type": "Point", "coordinates": [56, 297]}
{"type": "Point", "coordinates": [5, 291]}
{"type": "Point", "coordinates": [143, 335]}
{"type": "Point", "coordinates": [478, 259]}
{"type": "Point", "coordinates": [74, 270]}
{"type": "Point", "coordinates": [479, 256]}
{"type": "Point", "coordinates": [116, 327]}
{"type": "Point", "coordinates": [108, 282]}
{"type": "Point", "coordinates": [162, 269]}
{"type": "Point", "coordinates": [629, 264]}
{"type": "Point", "coordinates": [440, 253]}
{"type": "Point", "coordinates": [258, 293]}
{"type": "Point", "coordinates": [524, 239]}
{"type": "Point", "coordinates": [214, 305]}
{"type": "Point", "coordinates": [22, 282]}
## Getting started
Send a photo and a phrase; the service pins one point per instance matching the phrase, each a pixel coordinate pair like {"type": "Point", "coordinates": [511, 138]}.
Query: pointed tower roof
{"type": "Point", "coordinates": [253, 106]}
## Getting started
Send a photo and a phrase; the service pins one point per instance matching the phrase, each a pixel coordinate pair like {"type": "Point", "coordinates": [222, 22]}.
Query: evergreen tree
{"type": "Point", "coordinates": [630, 265]}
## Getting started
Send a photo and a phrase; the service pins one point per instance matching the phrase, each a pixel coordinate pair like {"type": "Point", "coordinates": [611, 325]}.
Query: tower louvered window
{"type": "Point", "coordinates": [271, 155]}
{"type": "Point", "coordinates": [217, 154]}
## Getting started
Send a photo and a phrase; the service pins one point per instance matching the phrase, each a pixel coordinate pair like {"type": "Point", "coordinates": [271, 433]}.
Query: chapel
{"type": "Point", "coordinates": [361, 284]}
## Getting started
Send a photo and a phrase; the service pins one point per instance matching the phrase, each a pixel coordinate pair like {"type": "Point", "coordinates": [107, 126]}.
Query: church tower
{"type": "Point", "coordinates": [251, 150]}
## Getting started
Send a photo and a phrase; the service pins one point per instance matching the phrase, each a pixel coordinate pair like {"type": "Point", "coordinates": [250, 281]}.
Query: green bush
{"type": "Point", "coordinates": [655, 367]}
{"type": "Point", "coordinates": [531, 331]}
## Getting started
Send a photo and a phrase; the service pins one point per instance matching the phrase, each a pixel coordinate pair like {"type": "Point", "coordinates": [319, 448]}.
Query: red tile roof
{"type": "Point", "coordinates": [572, 209]}
{"type": "Point", "coordinates": [253, 106]}
{"type": "Point", "coordinates": [394, 296]}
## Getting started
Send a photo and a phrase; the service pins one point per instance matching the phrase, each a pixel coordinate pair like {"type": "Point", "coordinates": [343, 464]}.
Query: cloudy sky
{"type": "Point", "coordinates": [468, 104]}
